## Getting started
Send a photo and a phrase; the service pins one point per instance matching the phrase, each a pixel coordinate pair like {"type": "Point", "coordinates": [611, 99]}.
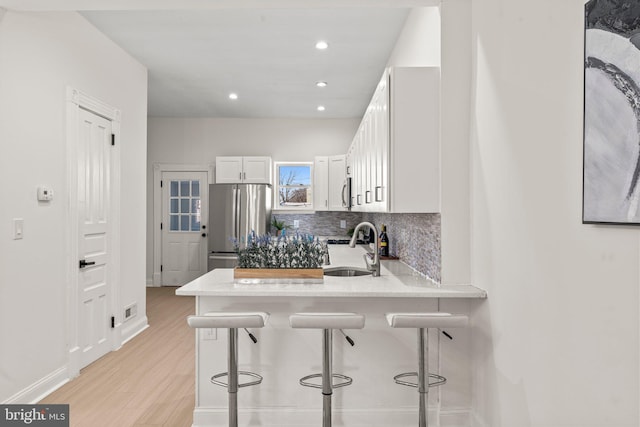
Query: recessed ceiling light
{"type": "Point", "coordinates": [322, 45]}
{"type": "Point", "coordinates": [321, 84]}
{"type": "Point", "coordinates": [233, 96]}
{"type": "Point", "coordinates": [320, 107]}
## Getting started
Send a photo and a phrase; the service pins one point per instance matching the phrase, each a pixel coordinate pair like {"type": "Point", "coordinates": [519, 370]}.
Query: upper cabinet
{"type": "Point", "coordinates": [394, 159]}
{"type": "Point", "coordinates": [330, 183]}
{"type": "Point", "coordinates": [246, 170]}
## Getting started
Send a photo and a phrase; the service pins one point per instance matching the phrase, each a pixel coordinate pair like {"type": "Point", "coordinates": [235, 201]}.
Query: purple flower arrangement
{"type": "Point", "coordinates": [266, 251]}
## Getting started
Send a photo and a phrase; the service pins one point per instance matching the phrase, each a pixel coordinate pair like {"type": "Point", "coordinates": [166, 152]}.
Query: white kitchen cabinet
{"type": "Point", "coordinates": [321, 183]}
{"type": "Point", "coordinates": [329, 183]}
{"type": "Point", "coordinates": [395, 155]}
{"type": "Point", "coordinates": [338, 183]}
{"type": "Point", "coordinates": [246, 170]}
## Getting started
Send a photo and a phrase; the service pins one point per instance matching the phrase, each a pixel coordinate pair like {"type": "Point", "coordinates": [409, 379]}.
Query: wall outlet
{"type": "Point", "coordinates": [343, 223]}
{"type": "Point", "coordinates": [296, 223]}
{"type": "Point", "coordinates": [210, 334]}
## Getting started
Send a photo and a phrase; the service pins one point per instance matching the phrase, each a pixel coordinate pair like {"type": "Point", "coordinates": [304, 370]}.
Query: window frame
{"type": "Point", "coordinates": [276, 192]}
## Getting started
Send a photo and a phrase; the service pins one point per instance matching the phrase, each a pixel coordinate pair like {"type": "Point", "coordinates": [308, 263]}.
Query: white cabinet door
{"type": "Point", "coordinates": [256, 170]}
{"type": "Point", "coordinates": [337, 183]}
{"type": "Point", "coordinates": [321, 183]}
{"type": "Point", "coordinates": [395, 154]}
{"type": "Point", "coordinates": [243, 170]}
{"type": "Point", "coordinates": [380, 185]}
{"type": "Point", "coordinates": [228, 170]}
{"type": "Point", "coordinates": [415, 139]}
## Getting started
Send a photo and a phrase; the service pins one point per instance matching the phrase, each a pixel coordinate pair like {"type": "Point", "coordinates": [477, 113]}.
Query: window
{"type": "Point", "coordinates": [294, 185]}
{"type": "Point", "coordinates": [184, 205]}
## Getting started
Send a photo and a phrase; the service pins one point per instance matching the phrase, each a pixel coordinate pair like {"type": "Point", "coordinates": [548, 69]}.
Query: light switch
{"type": "Point", "coordinates": [18, 228]}
{"type": "Point", "coordinates": [296, 223]}
{"type": "Point", "coordinates": [343, 223]}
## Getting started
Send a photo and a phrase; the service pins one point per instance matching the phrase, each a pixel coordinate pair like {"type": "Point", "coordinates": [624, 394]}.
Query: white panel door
{"type": "Point", "coordinates": [185, 206]}
{"type": "Point", "coordinates": [94, 287]}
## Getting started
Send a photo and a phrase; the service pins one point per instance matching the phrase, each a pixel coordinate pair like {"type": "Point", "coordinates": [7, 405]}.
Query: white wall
{"type": "Point", "coordinates": [40, 54]}
{"type": "Point", "coordinates": [556, 343]}
{"type": "Point", "coordinates": [200, 140]}
{"type": "Point", "coordinates": [418, 44]}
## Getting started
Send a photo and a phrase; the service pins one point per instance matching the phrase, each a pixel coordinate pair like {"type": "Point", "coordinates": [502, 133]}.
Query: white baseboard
{"type": "Point", "coordinates": [294, 417]}
{"type": "Point", "coordinates": [133, 328]}
{"type": "Point", "coordinates": [41, 388]}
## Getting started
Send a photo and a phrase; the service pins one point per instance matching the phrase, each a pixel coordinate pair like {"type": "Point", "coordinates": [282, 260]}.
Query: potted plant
{"type": "Point", "coordinates": [279, 226]}
{"type": "Point", "coordinates": [300, 256]}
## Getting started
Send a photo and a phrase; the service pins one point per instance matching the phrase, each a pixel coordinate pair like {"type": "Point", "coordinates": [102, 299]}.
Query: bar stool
{"type": "Point", "coordinates": [424, 321]}
{"type": "Point", "coordinates": [232, 321]}
{"type": "Point", "coordinates": [327, 322]}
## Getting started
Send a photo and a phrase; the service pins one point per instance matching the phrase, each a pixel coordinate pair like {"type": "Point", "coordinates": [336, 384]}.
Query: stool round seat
{"type": "Point", "coordinates": [426, 320]}
{"type": "Point", "coordinates": [232, 321]}
{"type": "Point", "coordinates": [221, 319]}
{"type": "Point", "coordinates": [422, 322]}
{"type": "Point", "coordinates": [327, 321]}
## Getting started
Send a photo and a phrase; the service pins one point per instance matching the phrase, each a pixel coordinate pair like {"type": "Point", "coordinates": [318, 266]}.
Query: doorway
{"type": "Point", "coordinates": [94, 194]}
{"type": "Point", "coordinates": [180, 214]}
{"type": "Point", "coordinates": [185, 206]}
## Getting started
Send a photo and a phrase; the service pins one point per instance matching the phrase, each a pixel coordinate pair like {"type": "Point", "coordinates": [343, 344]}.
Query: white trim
{"type": "Point", "coordinates": [41, 388]}
{"type": "Point", "coordinates": [276, 188]}
{"type": "Point", "coordinates": [134, 330]}
{"type": "Point", "coordinates": [158, 169]}
{"type": "Point", "coordinates": [75, 101]}
{"type": "Point", "coordinates": [366, 417]}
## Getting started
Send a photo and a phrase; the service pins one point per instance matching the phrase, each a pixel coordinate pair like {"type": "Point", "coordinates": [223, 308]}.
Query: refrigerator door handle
{"type": "Point", "coordinates": [234, 215]}
{"type": "Point", "coordinates": [224, 257]}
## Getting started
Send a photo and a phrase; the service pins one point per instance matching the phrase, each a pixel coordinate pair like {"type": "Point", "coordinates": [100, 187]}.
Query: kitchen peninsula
{"type": "Point", "coordinates": [284, 355]}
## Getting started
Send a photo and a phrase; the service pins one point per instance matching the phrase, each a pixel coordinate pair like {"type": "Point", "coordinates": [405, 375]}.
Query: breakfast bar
{"type": "Point", "coordinates": [283, 355]}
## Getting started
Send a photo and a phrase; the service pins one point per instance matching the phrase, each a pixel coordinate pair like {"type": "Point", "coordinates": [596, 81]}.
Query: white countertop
{"type": "Point", "coordinates": [396, 280]}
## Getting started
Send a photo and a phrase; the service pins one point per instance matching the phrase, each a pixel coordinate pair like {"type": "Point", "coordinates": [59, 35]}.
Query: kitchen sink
{"type": "Point", "coordinates": [346, 271]}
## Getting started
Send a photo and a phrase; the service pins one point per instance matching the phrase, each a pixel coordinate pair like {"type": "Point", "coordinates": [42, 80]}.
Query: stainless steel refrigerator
{"type": "Point", "coordinates": [235, 210]}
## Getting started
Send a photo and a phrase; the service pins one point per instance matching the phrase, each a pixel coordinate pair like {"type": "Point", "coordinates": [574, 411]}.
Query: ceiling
{"type": "Point", "coordinates": [196, 55]}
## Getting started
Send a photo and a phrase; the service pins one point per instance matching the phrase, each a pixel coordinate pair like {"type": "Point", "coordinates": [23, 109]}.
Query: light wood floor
{"type": "Point", "coordinates": [150, 381]}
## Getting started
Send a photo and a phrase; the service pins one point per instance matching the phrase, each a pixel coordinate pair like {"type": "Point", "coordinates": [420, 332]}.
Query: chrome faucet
{"type": "Point", "coordinates": [373, 266]}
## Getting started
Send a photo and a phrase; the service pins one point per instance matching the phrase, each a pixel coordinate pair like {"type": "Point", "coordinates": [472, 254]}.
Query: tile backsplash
{"type": "Point", "coordinates": [414, 238]}
{"type": "Point", "coordinates": [321, 223]}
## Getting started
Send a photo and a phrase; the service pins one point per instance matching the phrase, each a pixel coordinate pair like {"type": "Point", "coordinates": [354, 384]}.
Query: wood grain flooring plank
{"type": "Point", "coordinates": [150, 381]}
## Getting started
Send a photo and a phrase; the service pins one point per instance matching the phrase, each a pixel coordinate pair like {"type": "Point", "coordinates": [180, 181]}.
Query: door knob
{"type": "Point", "coordinates": [204, 234]}
{"type": "Point", "coordinates": [83, 263]}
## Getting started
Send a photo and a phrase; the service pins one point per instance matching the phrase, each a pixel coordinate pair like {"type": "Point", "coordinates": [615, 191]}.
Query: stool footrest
{"type": "Point", "coordinates": [258, 379]}
{"type": "Point", "coordinates": [347, 381]}
{"type": "Point", "coordinates": [439, 379]}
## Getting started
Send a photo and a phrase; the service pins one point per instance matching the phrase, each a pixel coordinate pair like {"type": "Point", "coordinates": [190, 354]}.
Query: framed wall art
{"type": "Point", "coordinates": [611, 164]}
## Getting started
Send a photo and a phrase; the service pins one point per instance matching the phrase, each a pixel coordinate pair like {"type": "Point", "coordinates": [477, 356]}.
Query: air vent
{"type": "Point", "coordinates": [130, 311]}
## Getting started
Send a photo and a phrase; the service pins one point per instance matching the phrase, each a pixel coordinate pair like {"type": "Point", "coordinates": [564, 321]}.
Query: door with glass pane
{"type": "Point", "coordinates": [184, 226]}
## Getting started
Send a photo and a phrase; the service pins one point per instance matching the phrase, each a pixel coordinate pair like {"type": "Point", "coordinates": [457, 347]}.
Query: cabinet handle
{"type": "Point", "coordinates": [367, 196]}
{"type": "Point", "coordinates": [358, 199]}
{"type": "Point", "coordinates": [344, 202]}
{"type": "Point", "coordinates": [326, 203]}
{"type": "Point", "coordinates": [348, 170]}
{"type": "Point", "coordinates": [244, 175]}
{"type": "Point", "coordinates": [379, 193]}
{"type": "Point", "coordinates": [240, 177]}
